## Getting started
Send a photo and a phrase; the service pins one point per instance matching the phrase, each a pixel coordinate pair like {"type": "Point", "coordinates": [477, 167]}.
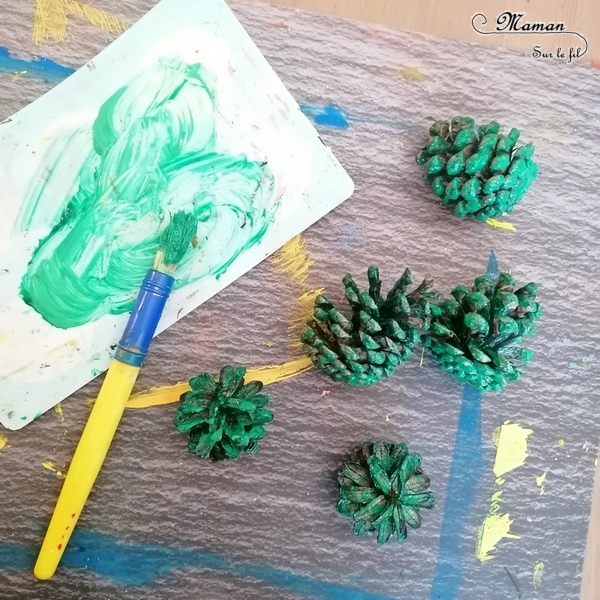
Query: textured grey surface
{"type": "Point", "coordinates": [275, 510]}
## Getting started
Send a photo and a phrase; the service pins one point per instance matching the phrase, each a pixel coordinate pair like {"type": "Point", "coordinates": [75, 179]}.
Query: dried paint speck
{"type": "Point", "coordinates": [538, 571]}
{"type": "Point", "coordinates": [541, 482]}
{"type": "Point", "coordinates": [511, 442]}
{"type": "Point", "coordinates": [495, 527]}
{"type": "Point", "coordinates": [412, 73]}
{"type": "Point", "coordinates": [50, 466]}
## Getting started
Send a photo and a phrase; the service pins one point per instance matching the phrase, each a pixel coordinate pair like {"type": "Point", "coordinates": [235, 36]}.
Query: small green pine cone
{"type": "Point", "coordinates": [475, 334]}
{"type": "Point", "coordinates": [224, 418]}
{"type": "Point", "coordinates": [379, 336]}
{"type": "Point", "coordinates": [382, 488]}
{"type": "Point", "coordinates": [476, 170]}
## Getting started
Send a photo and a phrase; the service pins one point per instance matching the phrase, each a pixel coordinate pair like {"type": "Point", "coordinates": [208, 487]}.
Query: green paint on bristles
{"type": "Point", "coordinates": [175, 241]}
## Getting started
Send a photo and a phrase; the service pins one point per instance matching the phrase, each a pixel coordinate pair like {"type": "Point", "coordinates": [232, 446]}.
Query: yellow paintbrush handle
{"type": "Point", "coordinates": [86, 464]}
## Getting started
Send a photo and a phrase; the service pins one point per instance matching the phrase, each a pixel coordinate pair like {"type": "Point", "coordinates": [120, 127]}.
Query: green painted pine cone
{"type": "Point", "coordinates": [475, 334]}
{"type": "Point", "coordinates": [382, 488]}
{"type": "Point", "coordinates": [224, 418]}
{"type": "Point", "coordinates": [379, 336]}
{"type": "Point", "coordinates": [476, 170]}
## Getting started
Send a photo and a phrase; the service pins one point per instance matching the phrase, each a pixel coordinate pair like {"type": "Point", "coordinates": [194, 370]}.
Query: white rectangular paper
{"type": "Point", "coordinates": [181, 112]}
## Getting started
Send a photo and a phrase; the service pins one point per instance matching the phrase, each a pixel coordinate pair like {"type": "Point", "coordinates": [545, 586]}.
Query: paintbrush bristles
{"type": "Point", "coordinates": [175, 241]}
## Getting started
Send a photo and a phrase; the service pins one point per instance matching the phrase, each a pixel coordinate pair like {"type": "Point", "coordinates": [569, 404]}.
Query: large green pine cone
{"type": "Point", "coordinates": [382, 488]}
{"type": "Point", "coordinates": [224, 418]}
{"type": "Point", "coordinates": [475, 169]}
{"type": "Point", "coordinates": [475, 334]}
{"type": "Point", "coordinates": [379, 336]}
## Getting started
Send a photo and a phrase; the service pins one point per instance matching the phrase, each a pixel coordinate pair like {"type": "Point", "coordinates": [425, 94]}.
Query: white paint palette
{"type": "Point", "coordinates": [181, 112]}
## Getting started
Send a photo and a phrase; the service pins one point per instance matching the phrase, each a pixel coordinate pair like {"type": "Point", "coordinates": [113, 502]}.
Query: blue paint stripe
{"type": "Point", "coordinates": [331, 115]}
{"type": "Point", "coordinates": [466, 472]}
{"type": "Point", "coordinates": [139, 564]}
{"type": "Point", "coordinates": [38, 68]}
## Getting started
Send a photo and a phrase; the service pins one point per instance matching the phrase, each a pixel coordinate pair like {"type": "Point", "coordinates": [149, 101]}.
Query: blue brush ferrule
{"type": "Point", "coordinates": [144, 318]}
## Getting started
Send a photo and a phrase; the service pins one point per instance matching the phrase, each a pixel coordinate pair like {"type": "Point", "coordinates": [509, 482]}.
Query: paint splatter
{"type": "Point", "coordinates": [511, 449]}
{"type": "Point", "coordinates": [51, 19]}
{"type": "Point", "coordinates": [38, 67]}
{"type": "Point", "coordinates": [58, 409]}
{"type": "Point", "coordinates": [495, 528]}
{"type": "Point", "coordinates": [351, 235]}
{"type": "Point", "coordinates": [3, 441]}
{"type": "Point", "coordinates": [292, 260]}
{"type": "Point", "coordinates": [501, 225]}
{"type": "Point", "coordinates": [511, 453]}
{"type": "Point", "coordinates": [267, 375]}
{"type": "Point", "coordinates": [412, 73]}
{"type": "Point", "coordinates": [540, 481]}
{"type": "Point", "coordinates": [561, 443]}
{"type": "Point", "coordinates": [141, 564]}
{"type": "Point", "coordinates": [538, 572]}
{"type": "Point", "coordinates": [586, 361]}
{"type": "Point", "coordinates": [558, 344]}
{"type": "Point", "coordinates": [50, 466]}
{"type": "Point", "coordinates": [330, 115]}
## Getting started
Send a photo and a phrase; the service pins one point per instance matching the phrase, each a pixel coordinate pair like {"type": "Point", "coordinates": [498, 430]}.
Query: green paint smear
{"type": "Point", "coordinates": [153, 151]}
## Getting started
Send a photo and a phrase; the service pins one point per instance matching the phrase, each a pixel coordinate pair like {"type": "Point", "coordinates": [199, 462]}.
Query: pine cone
{"type": "Point", "coordinates": [224, 419]}
{"type": "Point", "coordinates": [380, 335]}
{"type": "Point", "coordinates": [474, 335]}
{"type": "Point", "coordinates": [382, 487]}
{"type": "Point", "coordinates": [476, 170]}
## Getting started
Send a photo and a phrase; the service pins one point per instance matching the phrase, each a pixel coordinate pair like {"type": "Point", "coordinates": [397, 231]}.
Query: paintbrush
{"type": "Point", "coordinates": [116, 389]}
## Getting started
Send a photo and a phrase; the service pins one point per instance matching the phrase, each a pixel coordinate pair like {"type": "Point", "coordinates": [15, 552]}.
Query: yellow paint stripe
{"type": "Point", "coordinates": [50, 19]}
{"type": "Point", "coordinates": [3, 441]}
{"type": "Point", "coordinates": [512, 447]}
{"type": "Point", "coordinates": [267, 375]}
{"type": "Point", "coordinates": [98, 18]}
{"type": "Point", "coordinates": [501, 225]}
{"type": "Point", "coordinates": [293, 260]}
{"type": "Point", "coordinates": [302, 313]}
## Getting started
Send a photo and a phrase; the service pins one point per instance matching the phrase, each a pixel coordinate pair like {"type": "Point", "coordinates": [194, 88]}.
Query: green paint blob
{"type": "Point", "coordinates": [153, 150]}
{"type": "Point", "coordinates": [176, 238]}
